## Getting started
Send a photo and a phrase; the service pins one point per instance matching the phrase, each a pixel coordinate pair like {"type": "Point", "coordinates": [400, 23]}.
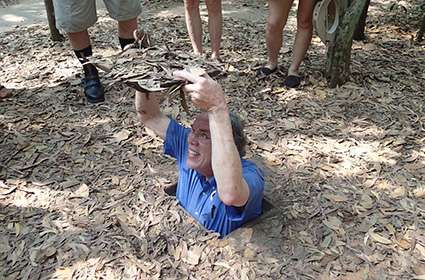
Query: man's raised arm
{"type": "Point", "coordinates": [226, 161]}
{"type": "Point", "coordinates": [208, 95]}
{"type": "Point", "coordinates": [149, 113]}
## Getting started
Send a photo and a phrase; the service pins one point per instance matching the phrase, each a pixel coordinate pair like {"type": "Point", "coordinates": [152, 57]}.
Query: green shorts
{"type": "Point", "coordinates": [78, 15]}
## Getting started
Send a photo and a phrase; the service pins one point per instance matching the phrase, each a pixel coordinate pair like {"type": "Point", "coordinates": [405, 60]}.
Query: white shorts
{"type": "Point", "coordinates": [78, 15]}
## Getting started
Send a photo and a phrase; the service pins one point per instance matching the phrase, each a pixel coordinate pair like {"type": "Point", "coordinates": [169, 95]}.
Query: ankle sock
{"type": "Point", "coordinates": [89, 69]}
{"type": "Point", "coordinates": [124, 42]}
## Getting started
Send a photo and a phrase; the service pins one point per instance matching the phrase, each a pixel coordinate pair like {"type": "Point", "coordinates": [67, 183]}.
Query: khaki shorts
{"type": "Point", "coordinates": [78, 15]}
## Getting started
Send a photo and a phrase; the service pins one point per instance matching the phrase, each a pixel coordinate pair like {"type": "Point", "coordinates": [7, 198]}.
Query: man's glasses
{"type": "Point", "coordinates": [200, 134]}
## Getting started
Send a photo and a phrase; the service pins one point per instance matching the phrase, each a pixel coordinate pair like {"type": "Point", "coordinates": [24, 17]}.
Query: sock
{"type": "Point", "coordinates": [89, 69]}
{"type": "Point", "coordinates": [124, 42]}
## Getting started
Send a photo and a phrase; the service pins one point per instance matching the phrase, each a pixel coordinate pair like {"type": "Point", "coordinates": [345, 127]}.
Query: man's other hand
{"type": "Point", "coordinates": [139, 102]}
{"type": "Point", "coordinates": [149, 113]}
{"type": "Point", "coordinates": [206, 94]}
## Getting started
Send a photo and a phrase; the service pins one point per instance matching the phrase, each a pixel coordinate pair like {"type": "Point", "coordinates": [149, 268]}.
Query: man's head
{"type": "Point", "coordinates": [199, 156]}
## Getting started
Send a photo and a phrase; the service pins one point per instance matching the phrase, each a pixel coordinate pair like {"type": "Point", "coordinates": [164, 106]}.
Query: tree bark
{"type": "Point", "coordinates": [54, 32]}
{"type": "Point", "coordinates": [359, 33]}
{"type": "Point", "coordinates": [339, 52]}
{"type": "Point", "coordinates": [421, 31]}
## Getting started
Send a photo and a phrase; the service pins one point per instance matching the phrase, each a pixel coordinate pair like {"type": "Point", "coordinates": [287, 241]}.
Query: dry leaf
{"type": "Point", "coordinates": [405, 244]}
{"type": "Point", "coordinates": [249, 253]}
{"type": "Point", "coordinates": [83, 191]}
{"type": "Point", "coordinates": [419, 192]}
{"type": "Point", "coordinates": [366, 201]}
{"type": "Point", "coordinates": [398, 192]}
{"type": "Point", "coordinates": [336, 197]}
{"type": "Point", "coordinates": [115, 180]}
{"type": "Point", "coordinates": [193, 255]}
{"type": "Point", "coordinates": [197, 71]}
{"type": "Point", "coordinates": [18, 228]}
{"type": "Point", "coordinates": [378, 238]}
{"type": "Point", "coordinates": [421, 250]}
{"type": "Point", "coordinates": [332, 222]}
{"type": "Point", "coordinates": [63, 273]}
{"type": "Point", "coordinates": [122, 135]}
{"type": "Point", "coordinates": [322, 94]}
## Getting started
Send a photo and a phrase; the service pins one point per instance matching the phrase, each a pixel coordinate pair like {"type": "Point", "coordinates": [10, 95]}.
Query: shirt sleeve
{"type": "Point", "coordinates": [175, 143]}
{"type": "Point", "coordinates": [255, 180]}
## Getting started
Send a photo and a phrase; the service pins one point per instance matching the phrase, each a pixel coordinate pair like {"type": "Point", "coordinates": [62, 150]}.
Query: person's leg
{"type": "Point", "coordinates": [126, 28]}
{"type": "Point", "coordinates": [194, 24]}
{"type": "Point", "coordinates": [79, 40]}
{"type": "Point", "coordinates": [93, 89]}
{"type": "Point", "coordinates": [215, 23]}
{"type": "Point", "coordinates": [276, 20]}
{"type": "Point", "coordinates": [125, 31]}
{"type": "Point", "coordinates": [125, 12]}
{"type": "Point", "coordinates": [75, 17]}
{"type": "Point", "coordinates": [303, 36]}
{"type": "Point", "coordinates": [80, 43]}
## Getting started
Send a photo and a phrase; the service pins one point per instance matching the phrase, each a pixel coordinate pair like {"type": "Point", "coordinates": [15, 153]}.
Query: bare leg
{"type": "Point", "coordinates": [303, 36]}
{"type": "Point", "coordinates": [194, 24]}
{"type": "Point", "coordinates": [93, 89]}
{"type": "Point", "coordinates": [215, 22]}
{"type": "Point", "coordinates": [276, 20]}
{"type": "Point", "coordinates": [126, 28]}
{"type": "Point", "coordinates": [79, 40]}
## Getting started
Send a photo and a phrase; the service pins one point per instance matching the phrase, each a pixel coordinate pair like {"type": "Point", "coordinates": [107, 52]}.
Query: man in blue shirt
{"type": "Point", "coordinates": [216, 186]}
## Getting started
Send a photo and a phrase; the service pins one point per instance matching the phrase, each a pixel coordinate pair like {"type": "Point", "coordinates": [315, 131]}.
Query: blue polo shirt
{"type": "Point", "coordinates": [199, 196]}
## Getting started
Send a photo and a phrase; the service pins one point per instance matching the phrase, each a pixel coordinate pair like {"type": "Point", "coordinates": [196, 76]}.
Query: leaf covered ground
{"type": "Point", "coordinates": [81, 186]}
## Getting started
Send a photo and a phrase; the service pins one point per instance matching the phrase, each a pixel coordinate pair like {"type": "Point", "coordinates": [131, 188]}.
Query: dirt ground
{"type": "Point", "coordinates": [81, 186]}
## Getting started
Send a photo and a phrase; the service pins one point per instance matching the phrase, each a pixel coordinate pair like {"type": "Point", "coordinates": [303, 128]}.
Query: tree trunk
{"type": "Point", "coordinates": [339, 52]}
{"type": "Point", "coordinates": [421, 31]}
{"type": "Point", "coordinates": [54, 32]}
{"type": "Point", "coordinates": [359, 33]}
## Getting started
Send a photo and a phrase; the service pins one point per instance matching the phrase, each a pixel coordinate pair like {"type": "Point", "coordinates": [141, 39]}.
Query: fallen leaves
{"type": "Point", "coordinates": [152, 71]}
{"type": "Point", "coordinates": [81, 186]}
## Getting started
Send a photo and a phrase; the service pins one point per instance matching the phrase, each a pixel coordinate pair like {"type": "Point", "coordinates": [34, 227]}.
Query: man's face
{"type": "Point", "coordinates": [199, 156]}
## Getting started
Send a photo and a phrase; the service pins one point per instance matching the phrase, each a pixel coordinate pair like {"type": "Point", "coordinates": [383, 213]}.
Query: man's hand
{"type": "Point", "coordinates": [149, 113]}
{"type": "Point", "coordinates": [206, 94]}
{"type": "Point", "coordinates": [139, 102]}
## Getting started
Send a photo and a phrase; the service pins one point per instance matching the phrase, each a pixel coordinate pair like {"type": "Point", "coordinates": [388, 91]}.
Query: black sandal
{"type": "Point", "coordinates": [292, 81]}
{"type": "Point", "coordinates": [263, 72]}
